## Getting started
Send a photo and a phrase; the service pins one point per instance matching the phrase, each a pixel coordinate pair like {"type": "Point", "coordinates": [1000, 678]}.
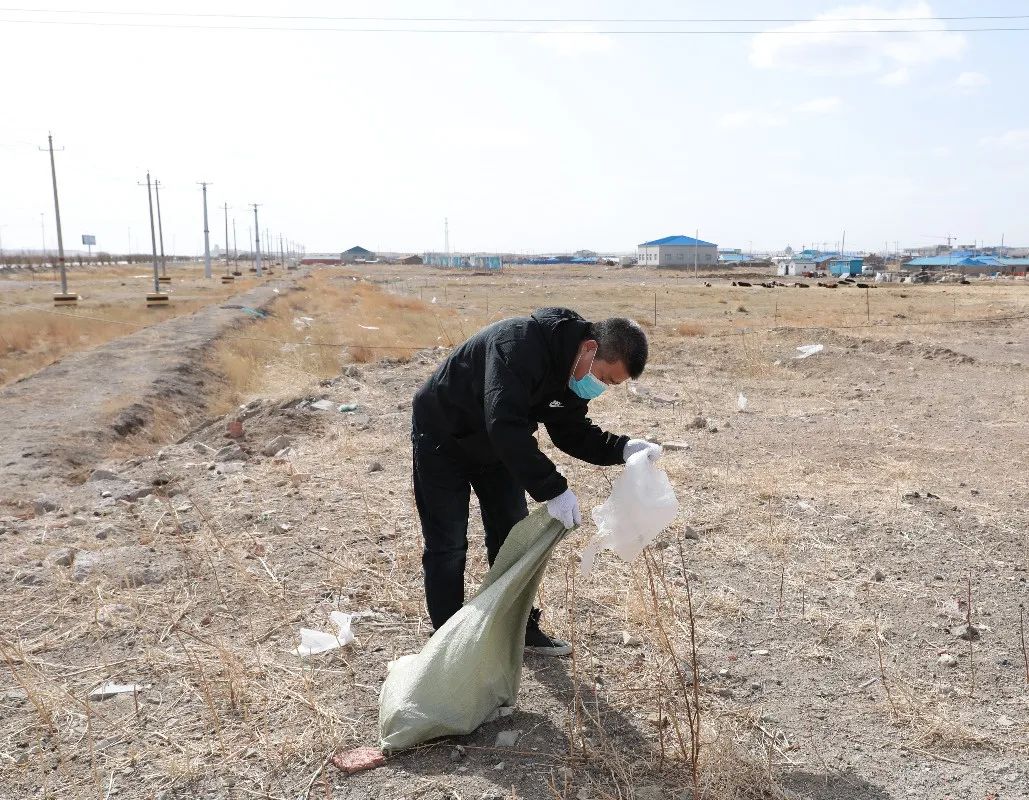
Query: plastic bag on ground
{"type": "Point", "coordinates": [641, 505]}
{"type": "Point", "coordinates": [472, 665]}
{"type": "Point", "coordinates": [313, 642]}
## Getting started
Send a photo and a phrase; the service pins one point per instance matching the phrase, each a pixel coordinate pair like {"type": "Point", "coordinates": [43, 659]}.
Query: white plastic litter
{"type": "Point", "coordinates": [112, 689]}
{"type": "Point", "coordinates": [302, 322]}
{"type": "Point", "coordinates": [809, 350]}
{"type": "Point", "coordinates": [741, 402]}
{"type": "Point", "coordinates": [368, 327]}
{"type": "Point", "coordinates": [641, 505]}
{"type": "Point", "coordinates": [313, 642]}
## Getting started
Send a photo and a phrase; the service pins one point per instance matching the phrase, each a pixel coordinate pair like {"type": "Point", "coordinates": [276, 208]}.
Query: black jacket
{"type": "Point", "coordinates": [488, 398]}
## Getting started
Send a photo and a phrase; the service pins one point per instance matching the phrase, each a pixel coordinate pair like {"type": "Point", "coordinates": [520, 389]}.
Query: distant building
{"type": "Point", "coordinates": [330, 261]}
{"type": "Point", "coordinates": [841, 266]}
{"type": "Point", "coordinates": [677, 251]}
{"type": "Point", "coordinates": [411, 260]}
{"type": "Point", "coordinates": [355, 254]}
{"type": "Point", "coordinates": [970, 263]}
{"type": "Point", "coordinates": [807, 262]}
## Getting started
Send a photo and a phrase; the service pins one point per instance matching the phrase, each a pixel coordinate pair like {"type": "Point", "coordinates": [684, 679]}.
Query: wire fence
{"type": "Point", "coordinates": [717, 334]}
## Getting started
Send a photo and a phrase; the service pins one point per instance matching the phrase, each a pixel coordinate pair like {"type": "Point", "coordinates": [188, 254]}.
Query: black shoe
{"type": "Point", "coordinates": [536, 641]}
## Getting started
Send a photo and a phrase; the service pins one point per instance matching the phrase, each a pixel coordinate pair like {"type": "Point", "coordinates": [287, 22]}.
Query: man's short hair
{"type": "Point", "coordinates": [621, 339]}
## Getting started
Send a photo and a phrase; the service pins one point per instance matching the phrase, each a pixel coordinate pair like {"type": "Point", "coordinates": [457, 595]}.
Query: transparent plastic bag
{"type": "Point", "coordinates": [641, 505]}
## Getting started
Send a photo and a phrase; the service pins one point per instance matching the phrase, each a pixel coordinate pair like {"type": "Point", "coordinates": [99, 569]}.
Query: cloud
{"type": "Point", "coordinates": [1014, 139]}
{"type": "Point", "coordinates": [820, 105]}
{"type": "Point", "coordinates": [831, 44]}
{"type": "Point", "coordinates": [970, 81]}
{"type": "Point", "coordinates": [941, 151]}
{"type": "Point", "coordinates": [752, 118]}
{"type": "Point", "coordinates": [574, 41]}
{"type": "Point", "coordinates": [898, 77]}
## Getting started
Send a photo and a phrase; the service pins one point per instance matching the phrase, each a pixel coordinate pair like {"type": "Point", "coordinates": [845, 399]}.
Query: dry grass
{"type": "Point", "coordinates": [229, 710]}
{"type": "Point", "coordinates": [690, 329]}
{"type": "Point", "coordinates": [32, 338]}
{"type": "Point", "coordinates": [312, 333]}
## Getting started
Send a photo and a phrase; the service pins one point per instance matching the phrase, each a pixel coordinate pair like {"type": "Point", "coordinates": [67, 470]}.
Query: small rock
{"type": "Point", "coordinates": [230, 468]}
{"type": "Point", "coordinates": [204, 449]}
{"type": "Point", "coordinates": [77, 522]}
{"type": "Point", "coordinates": [690, 532]}
{"type": "Point", "coordinates": [352, 371]}
{"type": "Point", "coordinates": [106, 493]}
{"type": "Point", "coordinates": [969, 633]}
{"type": "Point", "coordinates": [698, 422]}
{"type": "Point", "coordinates": [947, 660]}
{"type": "Point", "coordinates": [1005, 721]}
{"type": "Point", "coordinates": [455, 755]}
{"type": "Point", "coordinates": [628, 640]}
{"type": "Point", "coordinates": [375, 466]}
{"type": "Point", "coordinates": [657, 720]}
{"type": "Point", "coordinates": [43, 504]}
{"type": "Point", "coordinates": [878, 575]}
{"type": "Point", "coordinates": [231, 452]}
{"type": "Point", "coordinates": [234, 429]}
{"type": "Point", "coordinates": [648, 793]}
{"type": "Point", "coordinates": [62, 557]}
{"type": "Point", "coordinates": [498, 766]}
{"type": "Point", "coordinates": [104, 475]}
{"type": "Point", "coordinates": [323, 405]}
{"type": "Point", "coordinates": [507, 738]}
{"type": "Point", "coordinates": [673, 446]}
{"type": "Point", "coordinates": [105, 532]}
{"type": "Point", "coordinates": [281, 527]}
{"type": "Point", "coordinates": [759, 652]}
{"type": "Point", "coordinates": [275, 445]}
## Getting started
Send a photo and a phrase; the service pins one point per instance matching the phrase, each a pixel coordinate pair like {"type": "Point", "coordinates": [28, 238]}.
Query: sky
{"type": "Point", "coordinates": [565, 135]}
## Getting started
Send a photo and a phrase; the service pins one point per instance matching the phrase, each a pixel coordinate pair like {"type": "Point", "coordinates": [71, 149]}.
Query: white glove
{"type": "Point", "coordinates": [634, 446]}
{"type": "Point", "coordinates": [565, 509]}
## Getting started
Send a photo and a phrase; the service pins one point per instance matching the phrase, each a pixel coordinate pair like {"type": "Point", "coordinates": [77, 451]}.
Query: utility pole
{"type": "Point", "coordinates": [282, 253]}
{"type": "Point", "coordinates": [446, 238]}
{"type": "Point", "coordinates": [64, 297]}
{"type": "Point", "coordinates": [696, 247]}
{"type": "Point", "coordinates": [227, 270]}
{"type": "Point", "coordinates": [207, 241]}
{"type": "Point", "coordinates": [160, 231]}
{"type": "Point", "coordinates": [42, 234]}
{"type": "Point", "coordinates": [235, 249]}
{"type": "Point", "coordinates": [153, 236]}
{"type": "Point", "coordinates": [257, 242]}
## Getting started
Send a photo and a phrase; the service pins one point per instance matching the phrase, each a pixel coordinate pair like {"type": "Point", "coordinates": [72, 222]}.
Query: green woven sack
{"type": "Point", "coordinates": [473, 664]}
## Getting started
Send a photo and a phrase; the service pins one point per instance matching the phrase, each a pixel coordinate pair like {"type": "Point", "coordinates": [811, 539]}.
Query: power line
{"type": "Point", "coordinates": [594, 20]}
{"type": "Point", "coordinates": [517, 31]}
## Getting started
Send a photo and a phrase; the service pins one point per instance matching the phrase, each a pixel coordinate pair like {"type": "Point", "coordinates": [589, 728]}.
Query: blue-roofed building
{"type": "Point", "coordinates": [677, 251]}
{"type": "Point", "coordinates": [965, 262]}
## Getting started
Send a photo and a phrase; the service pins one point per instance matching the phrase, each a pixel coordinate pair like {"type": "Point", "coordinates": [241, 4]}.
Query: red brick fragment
{"type": "Point", "coordinates": [358, 760]}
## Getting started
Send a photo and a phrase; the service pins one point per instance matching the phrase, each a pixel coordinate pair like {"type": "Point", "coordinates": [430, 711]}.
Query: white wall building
{"type": "Point", "coordinates": [678, 251]}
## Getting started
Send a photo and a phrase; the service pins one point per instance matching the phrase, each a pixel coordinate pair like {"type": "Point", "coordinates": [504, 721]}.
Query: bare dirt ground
{"type": "Point", "coordinates": [831, 535]}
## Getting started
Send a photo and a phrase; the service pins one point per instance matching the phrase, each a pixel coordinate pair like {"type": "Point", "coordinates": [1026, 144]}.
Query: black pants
{"type": "Point", "coordinates": [442, 480]}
